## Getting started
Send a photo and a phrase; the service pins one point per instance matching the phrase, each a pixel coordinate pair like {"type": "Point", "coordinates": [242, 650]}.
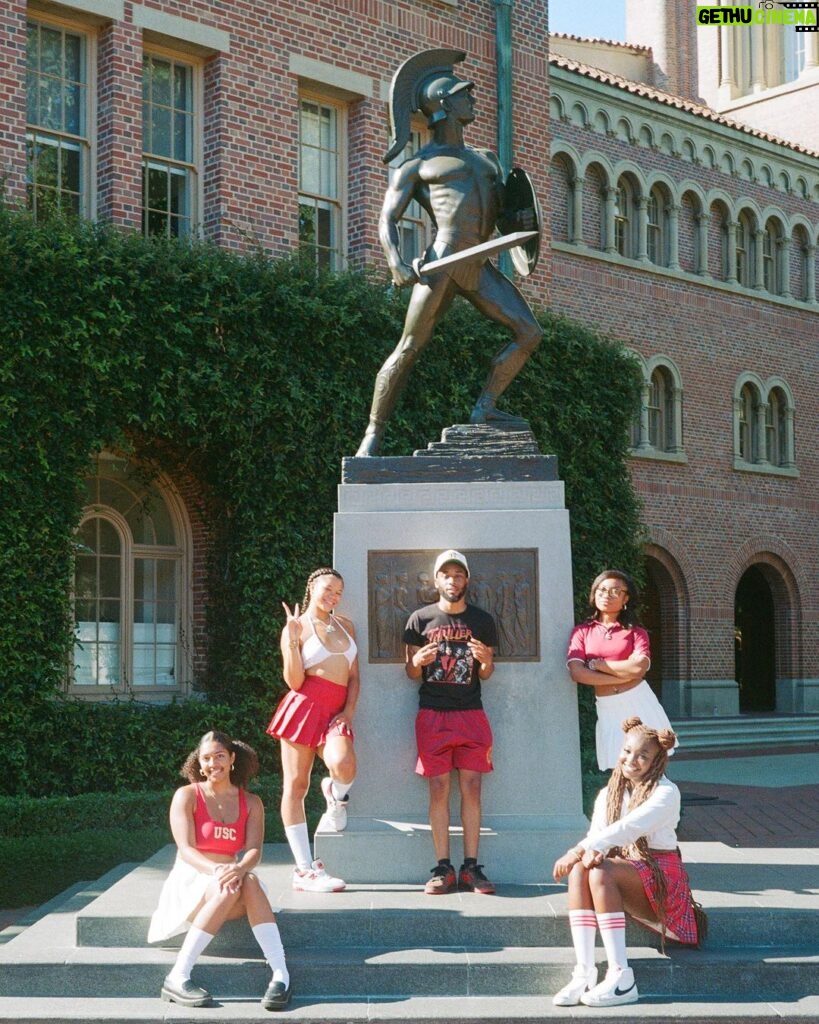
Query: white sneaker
{"type": "Point", "coordinates": [582, 979]}
{"type": "Point", "coordinates": [316, 879]}
{"type": "Point", "coordinates": [616, 988]}
{"type": "Point", "coordinates": [334, 818]}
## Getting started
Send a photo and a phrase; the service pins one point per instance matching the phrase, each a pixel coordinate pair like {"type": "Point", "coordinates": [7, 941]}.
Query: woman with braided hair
{"type": "Point", "coordinates": [316, 717]}
{"type": "Point", "coordinates": [628, 863]}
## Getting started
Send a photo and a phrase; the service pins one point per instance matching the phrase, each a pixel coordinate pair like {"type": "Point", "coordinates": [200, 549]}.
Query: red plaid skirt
{"type": "Point", "coordinates": [680, 923]}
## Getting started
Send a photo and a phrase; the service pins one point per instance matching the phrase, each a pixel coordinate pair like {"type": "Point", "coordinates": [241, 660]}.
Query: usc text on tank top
{"type": "Point", "coordinates": [219, 836]}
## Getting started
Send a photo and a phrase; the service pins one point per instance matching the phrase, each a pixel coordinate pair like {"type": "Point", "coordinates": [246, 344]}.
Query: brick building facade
{"type": "Point", "coordinates": [690, 236]}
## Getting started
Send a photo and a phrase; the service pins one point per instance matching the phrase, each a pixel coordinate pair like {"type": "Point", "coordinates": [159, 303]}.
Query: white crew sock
{"type": "Point", "coordinates": [195, 942]}
{"type": "Point", "coordinates": [267, 935]}
{"type": "Point", "coordinates": [340, 789]}
{"type": "Point", "coordinates": [299, 839]}
{"type": "Point", "coordinates": [613, 933]}
{"type": "Point", "coordinates": [583, 924]}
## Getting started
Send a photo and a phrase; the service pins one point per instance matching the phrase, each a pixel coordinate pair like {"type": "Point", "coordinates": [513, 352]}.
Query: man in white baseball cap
{"type": "Point", "coordinates": [450, 647]}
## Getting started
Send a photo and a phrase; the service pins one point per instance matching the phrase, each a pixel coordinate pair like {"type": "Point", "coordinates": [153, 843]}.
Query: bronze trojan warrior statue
{"type": "Point", "coordinates": [463, 191]}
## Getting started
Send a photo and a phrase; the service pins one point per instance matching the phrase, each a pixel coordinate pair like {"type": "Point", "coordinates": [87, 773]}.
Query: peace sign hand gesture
{"type": "Point", "coordinates": [291, 634]}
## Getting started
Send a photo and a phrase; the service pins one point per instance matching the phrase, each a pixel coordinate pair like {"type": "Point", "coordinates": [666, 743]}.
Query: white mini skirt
{"type": "Point", "coordinates": [612, 711]}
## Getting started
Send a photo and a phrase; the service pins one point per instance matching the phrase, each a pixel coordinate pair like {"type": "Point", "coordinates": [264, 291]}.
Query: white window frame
{"type": "Point", "coordinates": [191, 167]}
{"type": "Point", "coordinates": [62, 140]}
{"type": "Point", "coordinates": [335, 259]}
{"type": "Point", "coordinates": [130, 552]}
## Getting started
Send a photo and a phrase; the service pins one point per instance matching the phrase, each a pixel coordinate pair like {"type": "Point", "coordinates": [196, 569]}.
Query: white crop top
{"type": "Point", "coordinates": [313, 651]}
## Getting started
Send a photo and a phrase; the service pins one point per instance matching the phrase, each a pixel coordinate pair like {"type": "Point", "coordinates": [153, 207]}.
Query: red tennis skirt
{"type": "Point", "coordinates": [303, 716]}
{"type": "Point", "coordinates": [680, 923]}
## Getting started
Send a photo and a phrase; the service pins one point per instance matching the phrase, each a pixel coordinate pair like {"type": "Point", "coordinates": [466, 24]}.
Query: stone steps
{"type": "Point", "coordinates": [746, 732]}
{"type": "Point", "coordinates": [415, 1010]}
{"type": "Point", "coordinates": [389, 953]}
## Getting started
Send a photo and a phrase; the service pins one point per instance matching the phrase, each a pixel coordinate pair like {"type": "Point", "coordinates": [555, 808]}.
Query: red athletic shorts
{"type": "Point", "coordinates": [452, 739]}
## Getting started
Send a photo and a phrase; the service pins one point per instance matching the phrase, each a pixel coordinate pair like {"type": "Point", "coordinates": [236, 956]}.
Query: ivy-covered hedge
{"type": "Point", "coordinates": [260, 376]}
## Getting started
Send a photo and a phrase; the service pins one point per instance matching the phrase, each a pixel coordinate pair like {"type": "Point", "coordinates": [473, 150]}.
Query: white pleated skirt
{"type": "Point", "coordinates": [181, 894]}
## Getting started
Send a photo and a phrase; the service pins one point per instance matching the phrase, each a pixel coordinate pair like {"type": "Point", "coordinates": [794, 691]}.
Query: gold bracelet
{"type": "Point", "coordinates": [293, 645]}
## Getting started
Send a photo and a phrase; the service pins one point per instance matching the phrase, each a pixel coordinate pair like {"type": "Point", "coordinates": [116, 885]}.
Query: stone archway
{"type": "Point", "coordinates": [755, 643]}
{"type": "Point", "coordinates": [664, 613]}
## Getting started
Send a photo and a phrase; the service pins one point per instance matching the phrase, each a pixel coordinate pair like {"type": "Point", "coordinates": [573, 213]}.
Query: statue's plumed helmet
{"type": "Point", "coordinates": [435, 90]}
{"type": "Point", "coordinates": [423, 82]}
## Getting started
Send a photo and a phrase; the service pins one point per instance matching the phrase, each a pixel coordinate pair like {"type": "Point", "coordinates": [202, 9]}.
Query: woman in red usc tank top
{"type": "Point", "coordinates": [218, 828]}
{"type": "Point", "coordinates": [320, 661]}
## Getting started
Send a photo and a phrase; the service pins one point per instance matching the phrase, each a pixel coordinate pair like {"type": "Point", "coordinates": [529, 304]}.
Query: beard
{"type": "Point", "coordinates": [455, 596]}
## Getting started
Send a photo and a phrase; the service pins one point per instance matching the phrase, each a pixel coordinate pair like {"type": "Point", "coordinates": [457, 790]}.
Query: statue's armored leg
{"type": "Point", "coordinates": [390, 382]}
{"type": "Point", "coordinates": [505, 367]}
{"type": "Point", "coordinates": [499, 299]}
{"type": "Point", "coordinates": [427, 304]}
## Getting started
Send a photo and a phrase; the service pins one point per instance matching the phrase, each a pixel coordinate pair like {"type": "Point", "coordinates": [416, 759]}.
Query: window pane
{"type": "Point", "coordinates": [179, 191]}
{"type": "Point", "coordinates": [183, 137]}
{"type": "Point", "coordinates": [32, 46]}
{"type": "Point", "coordinates": [108, 540]}
{"type": "Point", "coordinates": [73, 58]}
{"type": "Point", "coordinates": [32, 96]}
{"type": "Point", "coordinates": [157, 188]}
{"type": "Point", "coordinates": [51, 52]}
{"type": "Point", "coordinates": [160, 74]}
{"type": "Point", "coordinates": [70, 170]}
{"type": "Point", "coordinates": [85, 580]}
{"type": "Point", "coordinates": [50, 103]}
{"type": "Point", "coordinates": [160, 122]}
{"type": "Point", "coordinates": [182, 88]}
{"type": "Point", "coordinates": [166, 583]}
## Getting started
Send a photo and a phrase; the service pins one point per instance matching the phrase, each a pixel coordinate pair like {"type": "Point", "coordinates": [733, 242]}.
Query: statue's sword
{"type": "Point", "coordinates": [474, 252]}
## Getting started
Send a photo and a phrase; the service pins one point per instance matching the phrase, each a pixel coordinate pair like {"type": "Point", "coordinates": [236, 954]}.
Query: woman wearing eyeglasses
{"type": "Point", "coordinates": [610, 651]}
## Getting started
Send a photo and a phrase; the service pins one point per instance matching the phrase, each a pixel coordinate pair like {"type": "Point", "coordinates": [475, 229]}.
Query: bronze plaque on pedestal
{"type": "Point", "coordinates": [502, 581]}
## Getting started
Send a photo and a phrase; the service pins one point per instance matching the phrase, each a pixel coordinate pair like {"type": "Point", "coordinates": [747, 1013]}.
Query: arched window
{"type": "Point", "coordinates": [764, 426]}
{"type": "Point", "coordinates": [657, 431]}
{"type": "Point", "coordinates": [744, 251]}
{"type": "Point", "coordinates": [748, 423]}
{"type": "Point", "coordinates": [129, 584]}
{"type": "Point", "coordinates": [661, 410]}
{"type": "Point", "coordinates": [776, 428]}
{"type": "Point", "coordinates": [624, 219]}
{"type": "Point", "coordinates": [771, 275]}
{"type": "Point", "coordinates": [657, 233]}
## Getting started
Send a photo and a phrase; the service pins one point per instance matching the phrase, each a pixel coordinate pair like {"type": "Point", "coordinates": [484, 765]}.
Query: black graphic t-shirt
{"type": "Point", "coordinates": [451, 682]}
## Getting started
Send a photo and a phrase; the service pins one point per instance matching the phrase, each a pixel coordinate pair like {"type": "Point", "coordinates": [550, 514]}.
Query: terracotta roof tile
{"type": "Point", "coordinates": [594, 39]}
{"type": "Point", "coordinates": [649, 92]}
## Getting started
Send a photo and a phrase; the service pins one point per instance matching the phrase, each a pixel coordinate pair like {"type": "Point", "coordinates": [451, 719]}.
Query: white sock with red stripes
{"type": "Point", "coordinates": [583, 924]}
{"type": "Point", "coordinates": [613, 933]}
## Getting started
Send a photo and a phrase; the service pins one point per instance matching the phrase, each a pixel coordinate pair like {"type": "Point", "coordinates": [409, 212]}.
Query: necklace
{"type": "Point", "coordinates": [216, 800]}
{"type": "Point", "coordinates": [328, 626]}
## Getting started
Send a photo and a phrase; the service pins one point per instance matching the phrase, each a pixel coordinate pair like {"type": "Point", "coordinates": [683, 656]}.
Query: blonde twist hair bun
{"type": "Point", "coordinates": [666, 738]}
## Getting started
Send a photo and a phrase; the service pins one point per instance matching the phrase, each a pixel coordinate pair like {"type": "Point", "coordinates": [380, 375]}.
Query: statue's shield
{"type": "Point", "coordinates": [520, 199]}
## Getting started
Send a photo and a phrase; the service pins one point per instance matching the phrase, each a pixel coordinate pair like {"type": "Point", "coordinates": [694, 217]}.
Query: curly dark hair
{"type": "Point", "coordinates": [617, 787]}
{"type": "Point", "coordinates": [325, 570]}
{"type": "Point", "coordinates": [628, 614]}
{"type": "Point", "coordinates": [245, 765]}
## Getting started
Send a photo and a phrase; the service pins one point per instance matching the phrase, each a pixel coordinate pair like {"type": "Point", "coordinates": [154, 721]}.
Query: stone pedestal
{"type": "Point", "coordinates": [509, 520]}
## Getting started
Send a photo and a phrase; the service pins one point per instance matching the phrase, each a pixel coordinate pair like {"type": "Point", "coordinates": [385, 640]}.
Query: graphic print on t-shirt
{"type": "Point", "coordinates": [453, 662]}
